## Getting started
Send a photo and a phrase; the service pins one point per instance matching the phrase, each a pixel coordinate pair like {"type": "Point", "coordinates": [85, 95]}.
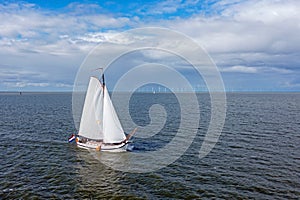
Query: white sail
{"type": "Point", "coordinates": [91, 124]}
{"type": "Point", "coordinates": [113, 131]}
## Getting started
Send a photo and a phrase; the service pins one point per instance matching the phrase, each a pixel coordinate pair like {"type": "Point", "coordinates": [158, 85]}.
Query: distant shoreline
{"type": "Point", "coordinates": [28, 92]}
{"type": "Point", "coordinates": [202, 92]}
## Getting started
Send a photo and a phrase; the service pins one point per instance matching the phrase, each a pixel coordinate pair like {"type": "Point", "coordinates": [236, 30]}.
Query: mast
{"type": "Point", "coordinates": [103, 81]}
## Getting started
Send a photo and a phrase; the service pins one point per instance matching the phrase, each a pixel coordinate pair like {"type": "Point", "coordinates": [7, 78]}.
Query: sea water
{"type": "Point", "coordinates": [257, 155]}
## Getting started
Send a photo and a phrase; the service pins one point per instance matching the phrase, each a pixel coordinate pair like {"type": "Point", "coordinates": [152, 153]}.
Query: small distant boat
{"type": "Point", "coordinates": [100, 127]}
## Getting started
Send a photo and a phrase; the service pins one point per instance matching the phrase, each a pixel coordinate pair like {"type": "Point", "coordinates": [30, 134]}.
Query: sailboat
{"type": "Point", "coordinates": [100, 127]}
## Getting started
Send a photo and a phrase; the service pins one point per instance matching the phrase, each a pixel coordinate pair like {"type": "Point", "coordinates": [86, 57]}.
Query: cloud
{"type": "Point", "coordinates": [249, 37]}
{"type": "Point", "coordinates": [242, 69]}
{"type": "Point", "coordinates": [163, 7]}
{"type": "Point", "coordinates": [27, 20]}
{"type": "Point", "coordinates": [242, 32]}
{"type": "Point", "coordinates": [25, 84]}
{"type": "Point", "coordinates": [36, 85]}
{"type": "Point", "coordinates": [62, 85]}
{"type": "Point", "coordinates": [168, 8]}
{"type": "Point", "coordinates": [253, 70]}
{"type": "Point", "coordinates": [294, 83]}
{"type": "Point", "coordinates": [265, 11]}
{"type": "Point", "coordinates": [43, 46]}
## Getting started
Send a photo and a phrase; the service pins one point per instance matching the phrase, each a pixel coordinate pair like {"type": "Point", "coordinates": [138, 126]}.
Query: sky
{"type": "Point", "coordinates": [254, 43]}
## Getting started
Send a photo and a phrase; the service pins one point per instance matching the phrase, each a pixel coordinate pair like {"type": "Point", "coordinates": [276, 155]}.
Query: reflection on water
{"type": "Point", "coordinates": [95, 179]}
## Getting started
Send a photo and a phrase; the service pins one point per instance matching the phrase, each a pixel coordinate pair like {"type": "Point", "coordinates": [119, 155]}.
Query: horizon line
{"type": "Point", "coordinates": [162, 92]}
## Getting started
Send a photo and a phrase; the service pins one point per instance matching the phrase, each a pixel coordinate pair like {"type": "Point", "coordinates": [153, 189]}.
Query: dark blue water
{"type": "Point", "coordinates": [257, 156]}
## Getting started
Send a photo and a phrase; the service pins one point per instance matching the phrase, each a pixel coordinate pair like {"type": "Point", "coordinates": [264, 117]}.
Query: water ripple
{"type": "Point", "coordinates": [257, 156]}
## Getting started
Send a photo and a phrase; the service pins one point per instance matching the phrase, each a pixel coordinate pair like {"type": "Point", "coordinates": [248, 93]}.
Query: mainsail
{"type": "Point", "coordinates": [99, 120]}
{"type": "Point", "coordinates": [91, 124]}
